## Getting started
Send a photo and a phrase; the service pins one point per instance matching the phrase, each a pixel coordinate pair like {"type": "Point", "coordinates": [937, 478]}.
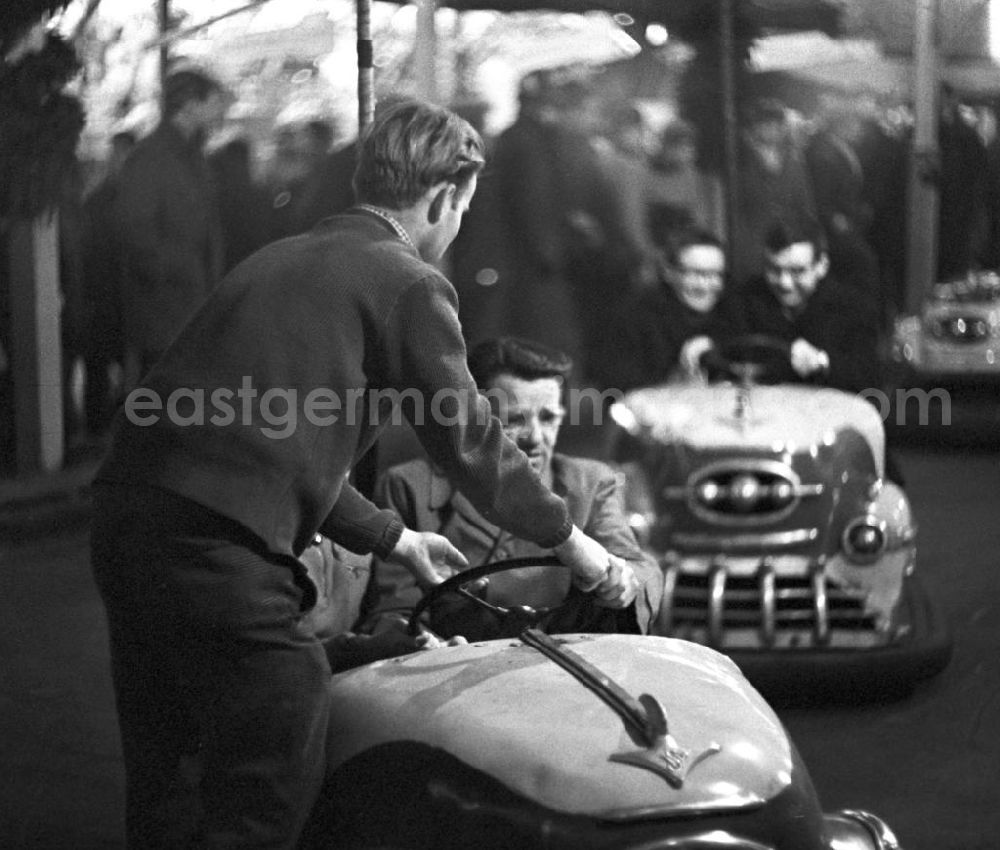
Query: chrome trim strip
{"type": "Point", "coordinates": [904, 537]}
{"type": "Point", "coordinates": [885, 838]}
{"type": "Point", "coordinates": [767, 602]}
{"type": "Point", "coordinates": [745, 542]}
{"type": "Point", "coordinates": [665, 619]}
{"type": "Point", "coordinates": [716, 604]}
{"type": "Point", "coordinates": [679, 492]}
{"type": "Point", "coordinates": [709, 840]}
{"type": "Point", "coordinates": [822, 627]}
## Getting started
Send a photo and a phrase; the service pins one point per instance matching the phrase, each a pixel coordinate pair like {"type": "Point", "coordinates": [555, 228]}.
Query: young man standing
{"type": "Point", "coordinates": [235, 454]}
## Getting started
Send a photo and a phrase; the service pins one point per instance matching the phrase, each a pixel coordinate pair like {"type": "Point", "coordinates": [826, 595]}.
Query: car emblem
{"type": "Point", "coordinates": [645, 715]}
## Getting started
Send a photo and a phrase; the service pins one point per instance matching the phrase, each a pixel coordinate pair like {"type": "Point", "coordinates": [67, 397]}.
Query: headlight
{"type": "Point", "coordinates": [864, 540]}
{"type": "Point", "coordinates": [745, 492]}
{"type": "Point", "coordinates": [708, 493]}
{"type": "Point", "coordinates": [624, 418]}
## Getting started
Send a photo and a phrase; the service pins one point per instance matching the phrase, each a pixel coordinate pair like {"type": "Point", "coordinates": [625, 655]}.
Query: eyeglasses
{"type": "Point", "coordinates": [796, 273]}
{"type": "Point", "coordinates": [704, 275]}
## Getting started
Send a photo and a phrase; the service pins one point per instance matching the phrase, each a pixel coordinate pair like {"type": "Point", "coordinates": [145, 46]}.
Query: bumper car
{"type": "Point", "coordinates": [566, 742]}
{"type": "Point", "coordinates": [783, 543]}
{"type": "Point", "coordinates": [944, 364]}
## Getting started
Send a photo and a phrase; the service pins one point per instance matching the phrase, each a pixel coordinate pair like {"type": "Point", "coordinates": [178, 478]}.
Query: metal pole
{"type": "Point", "coordinates": [163, 21]}
{"type": "Point", "coordinates": [731, 148]}
{"type": "Point", "coordinates": [366, 65]}
{"type": "Point", "coordinates": [426, 50]}
{"type": "Point", "coordinates": [922, 209]}
{"type": "Point", "coordinates": [365, 471]}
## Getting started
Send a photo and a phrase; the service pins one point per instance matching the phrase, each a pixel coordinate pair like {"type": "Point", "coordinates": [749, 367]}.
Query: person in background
{"type": "Point", "coordinates": [596, 252]}
{"type": "Point", "coordinates": [327, 190]}
{"type": "Point", "coordinates": [242, 203]}
{"type": "Point", "coordinates": [884, 150]}
{"type": "Point", "coordinates": [690, 197]}
{"type": "Point", "coordinates": [648, 339]}
{"type": "Point", "coordinates": [831, 331]}
{"type": "Point", "coordinates": [168, 216]}
{"type": "Point", "coordinates": [963, 183]}
{"type": "Point", "coordinates": [286, 181]}
{"type": "Point", "coordinates": [202, 509]}
{"type": "Point", "coordinates": [773, 185]}
{"type": "Point", "coordinates": [534, 220]}
{"type": "Point", "coordinates": [103, 283]}
{"type": "Point", "coordinates": [479, 261]}
{"type": "Point", "coordinates": [838, 182]}
{"type": "Point", "coordinates": [525, 383]}
{"type": "Point", "coordinates": [635, 188]}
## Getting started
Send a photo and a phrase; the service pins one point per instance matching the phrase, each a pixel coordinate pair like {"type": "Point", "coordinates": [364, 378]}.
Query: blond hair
{"type": "Point", "coordinates": [411, 146]}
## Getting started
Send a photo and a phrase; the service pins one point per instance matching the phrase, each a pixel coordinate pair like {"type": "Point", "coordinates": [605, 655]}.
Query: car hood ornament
{"type": "Point", "coordinates": [645, 716]}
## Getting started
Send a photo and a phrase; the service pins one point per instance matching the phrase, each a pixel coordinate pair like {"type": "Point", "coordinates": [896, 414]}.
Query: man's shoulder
{"type": "Point", "coordinates": [646, 306]}
{"type": "Point", "coordinates": [580, 471]}
{"type": "Point", "coordinates": [350, 237]}
{"type": "Point", "coordinates": [834, 291]}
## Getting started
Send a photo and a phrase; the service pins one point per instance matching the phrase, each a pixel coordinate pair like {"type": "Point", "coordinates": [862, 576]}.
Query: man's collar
{"type": "Point", "coordinates": [439, 491]}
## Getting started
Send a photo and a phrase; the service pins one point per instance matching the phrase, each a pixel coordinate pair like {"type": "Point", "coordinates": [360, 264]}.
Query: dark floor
{"type": "Point", "coordinates": [929, 764]}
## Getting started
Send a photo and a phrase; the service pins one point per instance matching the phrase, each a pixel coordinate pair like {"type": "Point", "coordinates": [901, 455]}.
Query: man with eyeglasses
{"type": "Point", "coordinates": [832, 337]}
{"type": "Point", "coordinates": [649, 340]}
{"type": "Point", "coordinates": [524, 382]}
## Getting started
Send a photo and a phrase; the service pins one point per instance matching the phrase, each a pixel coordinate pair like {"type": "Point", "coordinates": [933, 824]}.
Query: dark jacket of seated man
{"type": "Point", "coordinates": [796, 301]}
{"type": "Point", "coordinates": [523, 381]}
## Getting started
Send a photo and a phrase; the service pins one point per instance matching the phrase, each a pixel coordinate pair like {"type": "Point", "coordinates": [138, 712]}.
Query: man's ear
{"type": "Point", "coordinates": [823, 266]}
{"type": "Point", "coordinates": [442, 195]}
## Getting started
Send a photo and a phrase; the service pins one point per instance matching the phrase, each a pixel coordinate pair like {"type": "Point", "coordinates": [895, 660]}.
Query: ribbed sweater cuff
{"type": "Point", "coordinates": [560, 537]}
{"type": "Point", "coordinates": [390, 537]}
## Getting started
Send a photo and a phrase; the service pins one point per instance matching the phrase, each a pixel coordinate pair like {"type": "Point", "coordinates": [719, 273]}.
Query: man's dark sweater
{"type": "Point", "coordinates": [645, 342]}
{"type": "Point", "coordinates": [331, 317]}
{"type": "Point", "coordinates": [834, 320]}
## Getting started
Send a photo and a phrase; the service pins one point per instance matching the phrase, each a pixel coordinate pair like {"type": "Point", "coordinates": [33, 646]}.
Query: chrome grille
{"type": "Point", "coordinates": [960, 328]}
{"type": "Point", "coordinates": [764, 610]}
{"type": "Point", "coordinates": [742, 493]}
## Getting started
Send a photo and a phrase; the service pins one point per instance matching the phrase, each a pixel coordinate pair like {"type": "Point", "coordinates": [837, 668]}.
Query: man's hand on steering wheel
{"type": "Point", "coordinates": [691, 359]}
{"type": "Point", "coordinates": [594, 569]}
{"type": "Point", "coordinates": [807, 359]}
{"type": "Point", "coordinates": [619, 589]}
{"type": "Point", "coordinates": [430, 557]}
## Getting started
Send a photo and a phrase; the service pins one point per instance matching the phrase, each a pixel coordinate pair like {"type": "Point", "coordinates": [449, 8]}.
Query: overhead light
{"type": "Point", "coordinates": [656, 35]}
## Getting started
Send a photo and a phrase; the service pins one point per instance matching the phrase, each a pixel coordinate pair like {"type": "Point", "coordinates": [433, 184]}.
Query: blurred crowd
{"type": "Point", "coordinates": [573, 238]}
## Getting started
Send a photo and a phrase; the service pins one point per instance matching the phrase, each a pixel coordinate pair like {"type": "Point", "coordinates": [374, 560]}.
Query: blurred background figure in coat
{"type": "Point", "coordinates": [169, 220]}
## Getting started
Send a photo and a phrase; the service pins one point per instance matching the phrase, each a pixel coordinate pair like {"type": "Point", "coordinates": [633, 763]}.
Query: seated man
{"type": "Point", "coordinates": [647, 342]}
{"type": "Point", "coordinates": [832, 336]}
{"type": "Point", "coordinates": [524, 383]}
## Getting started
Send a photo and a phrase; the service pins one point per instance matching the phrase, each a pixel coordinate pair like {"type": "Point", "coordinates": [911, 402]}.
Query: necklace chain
{"type": "Point", "coordinates": [399, 230]}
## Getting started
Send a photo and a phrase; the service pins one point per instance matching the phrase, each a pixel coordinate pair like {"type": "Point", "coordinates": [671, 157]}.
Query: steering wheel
{"type": "Point", "coordinates": [752, 358]}
{"type": "Point", "coordinates": [509, 621]}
